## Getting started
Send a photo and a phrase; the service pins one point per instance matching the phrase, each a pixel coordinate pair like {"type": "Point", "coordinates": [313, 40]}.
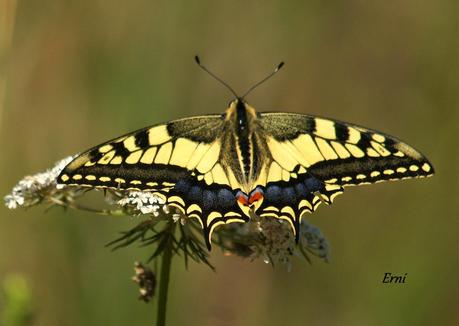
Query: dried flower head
{"type": "Point", "coordinates": [146, 280]}
{"type": "Point", "coordinates": [272, 240]}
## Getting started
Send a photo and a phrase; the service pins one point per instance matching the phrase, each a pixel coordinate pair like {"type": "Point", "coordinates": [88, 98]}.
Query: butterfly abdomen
{"type": "Point", "coordinates": [244, 138]}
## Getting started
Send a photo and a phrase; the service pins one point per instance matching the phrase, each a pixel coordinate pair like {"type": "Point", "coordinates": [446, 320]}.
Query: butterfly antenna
{"type": "Point", "coordinates": [198, 61]}
{"type": "Point", "coordinates": [279, 66]}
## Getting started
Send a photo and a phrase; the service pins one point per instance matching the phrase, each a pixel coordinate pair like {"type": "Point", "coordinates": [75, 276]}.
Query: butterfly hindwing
{"type": "Point", "coordinates": [297, 193]}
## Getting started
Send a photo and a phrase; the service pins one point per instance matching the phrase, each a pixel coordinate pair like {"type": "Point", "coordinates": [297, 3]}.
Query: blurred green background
{"type": "Point", "coordinates": [74, 74]}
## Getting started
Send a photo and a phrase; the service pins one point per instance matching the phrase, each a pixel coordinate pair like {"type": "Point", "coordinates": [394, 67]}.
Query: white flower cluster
{"type": "Point", "coordinates": [142, 202]}
{"type": "Point", "coordinates": [32, 189]}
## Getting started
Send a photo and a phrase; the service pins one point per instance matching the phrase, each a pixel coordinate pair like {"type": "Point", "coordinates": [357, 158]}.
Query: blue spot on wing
{"type": "Point", "coordinates": [313, 184]}
{"type": "Point", "coordinates": [284, 193]}
{"type": "Point", "coordinates": [273, 193]}
{"type": "Point", "coordinates": [209, 201]}
{"type": "Point", "coordinates": [209, 197]}
{"type": "Point", "coordinates": [195, 195]}
{"type": "Point", "coordinates": [226, 198]}
{"type": "Point", "coordinates": [288, 196]}
{"type": "Point", "coordinates": [182, 186]}
{"type": "Point", "coordinates": [301, 190]}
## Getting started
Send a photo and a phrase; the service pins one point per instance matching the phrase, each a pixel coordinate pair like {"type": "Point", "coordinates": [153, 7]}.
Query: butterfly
{"type": "Point", "coordinates": [231, 167]}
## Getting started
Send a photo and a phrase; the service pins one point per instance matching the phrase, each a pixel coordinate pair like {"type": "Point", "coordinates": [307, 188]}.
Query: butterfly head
{"type": "Point", "coordinates": [239, 109]}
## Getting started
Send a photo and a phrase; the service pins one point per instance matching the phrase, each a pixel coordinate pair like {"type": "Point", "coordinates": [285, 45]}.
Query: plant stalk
{"type": "Point", "coordinates": [166, 261]}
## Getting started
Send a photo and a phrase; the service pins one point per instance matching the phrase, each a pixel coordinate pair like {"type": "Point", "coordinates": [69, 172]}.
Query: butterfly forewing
{"type": "Point", "coordinates": [344, 154]}
{"type": "Point", "coordinates": [144, 159]}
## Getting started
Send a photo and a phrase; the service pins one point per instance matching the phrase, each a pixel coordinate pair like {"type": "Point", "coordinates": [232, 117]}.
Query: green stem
{"type": "Point", "coordinates": [166, 261]}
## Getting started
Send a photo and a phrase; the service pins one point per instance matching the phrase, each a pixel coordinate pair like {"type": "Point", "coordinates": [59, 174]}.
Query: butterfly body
{"type": "Point", "coordinates": [225, 168]}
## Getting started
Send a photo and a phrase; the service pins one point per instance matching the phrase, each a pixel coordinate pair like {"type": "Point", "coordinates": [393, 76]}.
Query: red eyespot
{"type": "Point", "coordinates": [245, 200]}
{"type": "Point", "coordinates": [255, 197]}
{"type": "Point", "coordinates": [242, 198]}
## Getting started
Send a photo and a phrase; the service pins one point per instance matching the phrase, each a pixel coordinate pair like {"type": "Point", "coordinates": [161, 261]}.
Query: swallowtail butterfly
{"type": "Point", "coordinates": [224, 168]}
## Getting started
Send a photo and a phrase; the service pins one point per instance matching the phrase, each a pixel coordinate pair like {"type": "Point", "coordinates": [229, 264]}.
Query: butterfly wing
{"type": "Point", "coordinates": [313, 158]}
{"type": "Point", "coordinates": [178, 161]}
{"type": "Point", "coordinates": [346, 154]}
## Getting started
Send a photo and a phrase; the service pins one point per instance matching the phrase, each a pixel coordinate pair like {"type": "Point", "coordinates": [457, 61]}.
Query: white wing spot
{"type": "Point", "coordinates": [325, 128]}
{"type": "Point", "coordinates": [355, 151]}
{"type": "Point", "coordinates": [117, 160]}
{"type": "Point", "coordinates": [372, 153]}
{"type": "Point", "coordinates": [426, 167]}
{"type": "Point", "coordinates": [354, 135]}
{"type": "Point", "coordinates": [134, 157]}
{"type": "Point", "coordinates": [149, 155]}
{"type": "Point", "coordinates": [105, 148]}
{"type": "Point", "coordinates": [379, 138]}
